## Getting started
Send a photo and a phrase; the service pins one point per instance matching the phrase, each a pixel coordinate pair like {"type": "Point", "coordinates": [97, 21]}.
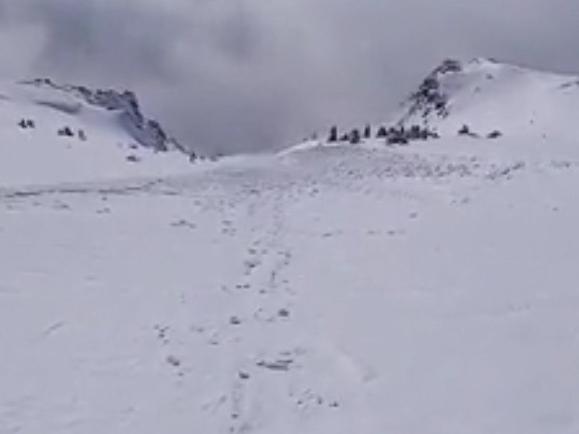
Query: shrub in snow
{"type": "Point", "coordinates": [495, 134]}
{"type": "Point", "coordinates": [26, 123]}
{"type": "Point", "coordinates": [397, 139]}
{"type": "Point", "coordinates": [465, 131]}
{"type": "Point", "coordinates": [133, 159]}
{"type": "Point", "coordinates": [173, 361]}
{"type": "Point", "coordinates": [382, 133]}
{"type": "Point", "coordinates": [65, 132]}
{"type": "Point", "coordinates": [82, 135]}
{"type": "Point", "coordinates": [234, 320]}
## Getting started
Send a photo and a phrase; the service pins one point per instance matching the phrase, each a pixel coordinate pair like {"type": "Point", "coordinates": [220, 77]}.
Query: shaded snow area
{"type": "Point", "coordinates": [420, 290]}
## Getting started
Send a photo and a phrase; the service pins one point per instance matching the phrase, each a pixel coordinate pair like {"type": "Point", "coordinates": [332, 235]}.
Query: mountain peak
{"type": "Point", "coordinates": [489, 96]}
{"type": "Point", "coordinates": [147, 132]}
{"type": "Point", "coordinates": [53, 133]}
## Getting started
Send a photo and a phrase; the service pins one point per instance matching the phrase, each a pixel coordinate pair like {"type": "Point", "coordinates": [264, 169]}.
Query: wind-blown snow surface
{"type": "Point", "coordinates": [420, 290]}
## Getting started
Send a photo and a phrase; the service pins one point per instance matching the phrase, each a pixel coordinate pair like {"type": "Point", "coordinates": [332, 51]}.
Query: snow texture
{"type": "Point", "coordinates": [427, 289]}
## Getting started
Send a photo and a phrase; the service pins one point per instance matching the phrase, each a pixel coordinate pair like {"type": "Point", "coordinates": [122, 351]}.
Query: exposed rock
{"type": "Point", "coordinates": [147, 132]}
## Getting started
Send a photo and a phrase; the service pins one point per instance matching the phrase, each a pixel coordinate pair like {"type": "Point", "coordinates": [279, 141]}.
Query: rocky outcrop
{"type": "Point", "coordinates": [147, 132]}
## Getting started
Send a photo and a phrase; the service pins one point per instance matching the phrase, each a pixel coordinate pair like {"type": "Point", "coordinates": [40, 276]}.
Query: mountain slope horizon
{"type": "Point", "coordinates": [481, 98]}
{"type": "Point", "coordinates": [489, 95]}
{"type": "Point", "coordinates": [64, 133]}
{"type": "Point", "coordinates": [327, 289]}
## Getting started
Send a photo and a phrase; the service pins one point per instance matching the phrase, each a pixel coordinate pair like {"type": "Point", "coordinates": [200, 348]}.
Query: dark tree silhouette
{"type": "Point", "coordinates": [355, 137]}
{"type": "Point", "coordinates": [66, 132]}
{"type": "Point", "coordinates": [367, 131]}
{"type": "Point", "coordinates": [464, 131]}
{"type": "Point", "coordinates": [333, 135]}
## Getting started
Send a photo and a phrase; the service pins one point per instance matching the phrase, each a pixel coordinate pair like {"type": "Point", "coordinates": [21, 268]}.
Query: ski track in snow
{"type": "Point", "coordinates": [324, 291]}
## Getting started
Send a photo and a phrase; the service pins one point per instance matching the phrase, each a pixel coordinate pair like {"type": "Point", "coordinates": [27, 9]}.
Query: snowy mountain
{"type": "Point", "coordinates": [52, 133]}
{"type": "Point", "coordinates": [328, 289]}
{"type": "Point", "coordinates": [489, 96]}
{"type": "Point", "coordinates": [481, 99]}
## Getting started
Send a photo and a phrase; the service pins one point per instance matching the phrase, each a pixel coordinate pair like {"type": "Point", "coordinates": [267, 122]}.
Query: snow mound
{"type": "Point", "coordinates": [488, 96]}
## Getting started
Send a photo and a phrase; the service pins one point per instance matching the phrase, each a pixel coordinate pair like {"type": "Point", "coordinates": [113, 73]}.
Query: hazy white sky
{"type": "Point", "coordinates": [244, 75]}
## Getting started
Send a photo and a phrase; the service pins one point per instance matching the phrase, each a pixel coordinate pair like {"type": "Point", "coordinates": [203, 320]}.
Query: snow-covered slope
{"type": "Point", "coordinates": [487, 96]}
{"type": "Point", "coordinates": [52, 134]}
{"type": "Point", "coordinates": [424, 289]}
{"type": "Point", "coordinates": [408, 290]}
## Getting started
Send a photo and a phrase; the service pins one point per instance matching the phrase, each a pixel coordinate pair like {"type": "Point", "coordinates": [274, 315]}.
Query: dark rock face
{"type": "Point", "coordinates": [430, 98]}
{"type": "Point", "coordinates": [146, 132]}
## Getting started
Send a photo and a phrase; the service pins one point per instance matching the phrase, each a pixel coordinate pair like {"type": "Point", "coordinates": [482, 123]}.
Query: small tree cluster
{"type": "Point", "coordinates": [392, 135]}
{"type": "Point", "coordinates": [26, 124]}
{"type": "Point", "coordinates": [354, 137]}
{"type": "Point", "coordinates": [402, 136]}
{"type": "Point", "coordinates": [466, 131]}
{"type": "Point", "coordinates": [65, 132]}
{"type": "Point", "coordinates": [68, 132]}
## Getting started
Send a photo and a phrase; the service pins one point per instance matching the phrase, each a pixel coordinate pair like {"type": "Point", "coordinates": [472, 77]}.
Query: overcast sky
{"type": "Point", "coordinates": [244, 75]}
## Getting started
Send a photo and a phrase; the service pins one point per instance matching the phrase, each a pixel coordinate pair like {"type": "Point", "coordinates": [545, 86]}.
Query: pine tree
{"type": "Point", "coordinates": [367, 131]}
{"type": "Point", "coordinates": [355, 137]}
{"type": "Point", "coordinates": [382, 132]}
{"type": "Point", "coordinates": [333, 135]}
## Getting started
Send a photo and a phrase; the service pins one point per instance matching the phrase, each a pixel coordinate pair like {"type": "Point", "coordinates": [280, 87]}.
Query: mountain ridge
{"type": "Point", "coordinates": [147, 132]}
{"type": "Point", "coordinates": [51, 133]}
{"type": "Point", "coordinates": [480, 98]}
{"type": "Point", "coordinates": [488, 95]}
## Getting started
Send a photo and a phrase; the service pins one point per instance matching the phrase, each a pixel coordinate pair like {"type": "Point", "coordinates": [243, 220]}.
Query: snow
{"type": "Point", "coordinates": [428, 289]}
{"type": "Point", "coordinates": [39, 156]}
{"type": "Point", "coordinates": [489, 96]}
